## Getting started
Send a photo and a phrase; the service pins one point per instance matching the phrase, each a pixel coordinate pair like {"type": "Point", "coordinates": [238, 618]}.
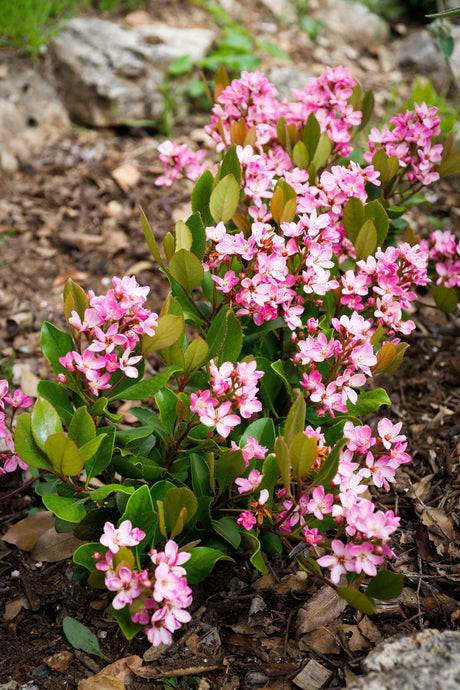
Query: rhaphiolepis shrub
{"type": "Point", "coordinates": [289, 286]}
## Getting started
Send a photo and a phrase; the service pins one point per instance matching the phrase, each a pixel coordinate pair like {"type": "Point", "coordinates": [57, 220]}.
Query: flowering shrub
{"type": "Point", "coordinates": [251, 435]}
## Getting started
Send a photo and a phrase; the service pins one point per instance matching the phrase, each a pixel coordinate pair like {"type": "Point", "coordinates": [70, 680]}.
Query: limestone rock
{"type": "Point", "coordinates": [428, 660]}
{"type": "Point", "coordinates": [107, 75]}
{"type": "Point", "coordinates": [287, 78]}
{"type": "Point", "coordinates": [31, 115]}
{"type": "Point", "coordinates": [352, 22]}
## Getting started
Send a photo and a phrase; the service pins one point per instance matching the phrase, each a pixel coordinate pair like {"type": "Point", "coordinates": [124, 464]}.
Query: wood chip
{"type": "Point", "coordinates": [313, 676]}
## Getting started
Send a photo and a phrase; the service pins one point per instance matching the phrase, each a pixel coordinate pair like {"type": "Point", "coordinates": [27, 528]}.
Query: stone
{"type": "Point", "coordinates": [108, 75]}
{"type": "Point", "coordinates": [428, 660]}
{"type": "Point", "coordinates": [287, 78]}
{"type": "Point", "coordinates": [31, 115]}
{"type": "Point", "coordinates": [417, 53]}
{"type": "Point", "coordinates": [352, 22]}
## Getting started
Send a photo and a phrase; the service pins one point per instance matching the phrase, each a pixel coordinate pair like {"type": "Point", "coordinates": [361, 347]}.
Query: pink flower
{"type": "Point", "coordinates": [220, 419]}
{"type": "Point", "coordinates": [320, 503]}
{"type": "Point", "coordinates": [167, 583]}
{"type": "Point", "coordinates": [126, 584]}
{"type": "Point", "coordinates": [249, 484]}
{"type": "Point", "coordinates": [247, 519]}
{"type": "Point", "coordinates": [125, 535]}
{"type": "Point", "coordinates": [340, 561]}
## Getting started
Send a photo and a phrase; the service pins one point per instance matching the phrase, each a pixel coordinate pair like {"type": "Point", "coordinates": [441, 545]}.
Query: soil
{"type": "Point", "coordinates": [63, 215]}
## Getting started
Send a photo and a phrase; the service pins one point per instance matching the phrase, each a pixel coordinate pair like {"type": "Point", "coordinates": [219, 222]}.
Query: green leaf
{"type": "Point", "coordinates": [25, 445]}
{"type": "Point", "coordinates": [167, 332]}
{"type": "Point", "coordinates": [150, 239]}
{"type": "Point", "coordinates": [353, 218]}
{"type": "Point", "coordinates": [75, 299]}
{"type": "Point", "coordinates": [445, 14]}
{"type": "Point", "coordinates": [80, 637]}
{"type": "Point", "coordinates": [166, 401]}
{"type": "Point", "coordinates": [225, 337]}
{"type": "Point", "coordinates": [64, 454]}
{"type": "Point", "coordinates": [366, 242]}
{"type": "Point", "coordinates": [66, 508]}
{"type": "Point", "coordinates": [200, 475]}
{"type": "Point", "coordinates": [84, 555]}
{"type": "Point", "coordinates": [311, 134]}
{"type": "Point", "coordinates": [253, 543]}
{"type": "Point", "coordinates": [123, 618]}
{"type": "Point", "coordinates": [284, 461]}
{"type": "Point", "coordinates": [271, 474]}
{"type": "Point", "coordinates": [55, 343]}
{"type": "Point", "coordinates": [263, 431]}
{"type": "Point", "coordinates": [82, 428]}
{"type": "Point", "coordinates": [195, 354]}
{"type": "Point", "coordinates": [278, 367]}
{"type": "Point", "coordinates": [323, 151]}
{"type": "Point", "coordinates": [445, 298]}
{"type": "Point", "coordinates": [227, 528]}
{"type": "Point", "coordinates": [148, 387]}
{"type": "Point", "coordinates": [368, 401]}
{"type": "Point", "coordinates": [175, 501]}
{"type": "Point", "coordinates": [44, 422]}
{"type": "Point", "coordinates": [328, 469]}
{"type": "Point", "coordinates": [90, 448]}
{"type": "Point", "coordinates": [231, 165]}
{"type": "Point", "coordinates": [102, 492]}
{"type": "Point", "coordinates": [367, 109]}
{"type": "Point", "coordinates": [187, 269]}
{"type": "Point", "coordinates": [447, 45]}
{"type": "Point", "coordinates": [183, 236]}
{"type": "Point", "coordinates": [385, 585]}
{"type": "Point", "coordinates": [303, 452]}
{"type": "Point", "coordinates": [295, 421]}
{"type": "Point", "coordinates": [201, 195]}
{"type": "Point", "coordinates": [358, 600]}
{"type": "Point", "coordinates": [57, 395]}
{"type": "Point", "coordinates": [451, 165]}
{"type": "Point", "coordinates": [202, 561]}
{"type": "Point", "coordinates": [196, 226]}
{"type": "Point", "coordinates": [375, 212]}
{"type": "Point", "coordinates": [103, 456]}
{"type": "Point", "coordinates": [228, 467]}
{"type": "Point", "coordinates": [224, 199]}
{"type": "Point", "coordinates": [271, 544]}
{"type": "Point", "coordinates": [140, 511]}
{"type": "Point", "coordinates": [180, 65]}
{"type": "Point", "coordinates": [300, 155]}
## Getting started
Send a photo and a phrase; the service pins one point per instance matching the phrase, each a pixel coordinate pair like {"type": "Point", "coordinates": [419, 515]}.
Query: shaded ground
{"type": "Point", "coordinates": [64, 215]}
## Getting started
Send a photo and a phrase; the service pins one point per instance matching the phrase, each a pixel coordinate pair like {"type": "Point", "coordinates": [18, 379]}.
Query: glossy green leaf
{"type": "Point", "coordinates": [311, 134]}
{"type": "Point", "coordinates": [102, 458]}
{"type": "Point", "coordinates": [64, 454]}
{"type": "Point", "coordinates": [167, 332]}
{"type": "Point", "coordinates": [271, 475]}
{"type": "Point", "coordinates": [375, 212]}
{"type": "Point", "coordinates": [166, 401]}
{"type": "Point", "coordinates": [148, 387]}
{"type": "Point", "coordinates": [123, 618]}
{"type": "Point", "coordinates": [445, 14]}
{"type": "Point", "coordinates": [201, 196]}
{"type": "Point", "coordinates": [187, 269]}
{"type": "Point", "coordinates": [84, 555]}
{"type": "Point", "coordinates": [202, 561]}
{"type": "Point", "coordinates": [183, 236]}
{"type": "Point", "coordinates": [90, 448]}
{"type": "Point", "coordinates": [366, 242]}
{"type": "Point", "coordinates": [169, 245]}
{"type": "Point", "coordinates": [175, 500]}
{"type": "Point", "coordinates": [102, 492]}
{"type": "Point", "coordinates": [55, 343]}
{"type": "Point", "coordinates": [295, 421]}
{"type": "Point", "coordinates": [224, 337]}
{"type": "Point", "coordinates": [278, 367]}
{"type": "Point", "coordinates": [446, 298]}
{"type": "Point", "coordinates": [44, 422]}
{"type": "Point", "coordinates": [80, 637]}
{"type": "Point", "coordinates": [284, 461]}
{"type": "Point", "coordinates": [66, 508]}
{"type": "Point", "coordinates": [250, 540]}
{"type": "Point", "coordinates": [228, 467]}
{"type": "Point", "coordinates": [231, 165]}
{"type": "Point", "coordinates": [368, 401]}
{"type": "Point", "coordinates": [197, 229]}
{"type": "Point", "coordinates": [140, 511]}
{"type": "Point", "coordinates": [353, 218]}
{"type": "Point", "coordinates": [358, 600]}
{"type": "Point", "coordinates": [57, 395]}
{"type": "Point", "coordinates": [227, 528]}
{"type": "Point", "coordinates": [263, 431]}
{"type": "Point", "coordinates": [25, 444]}
{"type": "Point", "coordinates": [380, 163]}
{"type": "Point", "coordinates": [367, 108]}
{"type": "Point", "coordinates": [82, 428]}
{"type": "Point", "coordinates": [323, 151]}
{"type": "Point", "coordinates": [303, 452]}
{"type": "Point", "coordinates": [328, 469]}
{"type": "Point", "coordinates": [224, 199]}
{"type": "Point", "coordinates": [385, 585]}
{"type": "Point", "coordinates": [75, 299]}
{"type": "Point", "coordinates": [195, 354]}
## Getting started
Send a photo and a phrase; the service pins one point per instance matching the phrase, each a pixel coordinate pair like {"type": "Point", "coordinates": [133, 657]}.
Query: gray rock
{"type": "Point", "coordinates": [418, 54]}
{"type": "Point", "coordinates": [107, 75]}
{"type": "Point", "coordinates": [352, 22]}
{"type": "Point", "coordinates": [429, 660]}
{"type": "Point", "coordinates": [287, 78]}
{"type": "Point", "coordinates": [31, 115]}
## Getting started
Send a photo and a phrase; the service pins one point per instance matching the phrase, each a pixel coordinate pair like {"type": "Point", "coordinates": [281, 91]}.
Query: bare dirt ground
{"type": "Point", "coordinates": [63, 215]}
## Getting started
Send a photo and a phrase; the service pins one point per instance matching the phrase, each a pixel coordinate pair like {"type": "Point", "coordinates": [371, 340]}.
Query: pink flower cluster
{"type": "Point", "coordinates": [9, 459]}
{"type": "Point", "coordinates": [178, 159]}
{"type": "Point", "coordinates": [411, 141]}
{"type": "Point", "coordinates": [113, 326]}
{"type": "Point", "coordinates": [233, 389]}
{"type": "Point", "coordinates": [157, 596]}
{"type": "Point", "coordinates": [444, 249]}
